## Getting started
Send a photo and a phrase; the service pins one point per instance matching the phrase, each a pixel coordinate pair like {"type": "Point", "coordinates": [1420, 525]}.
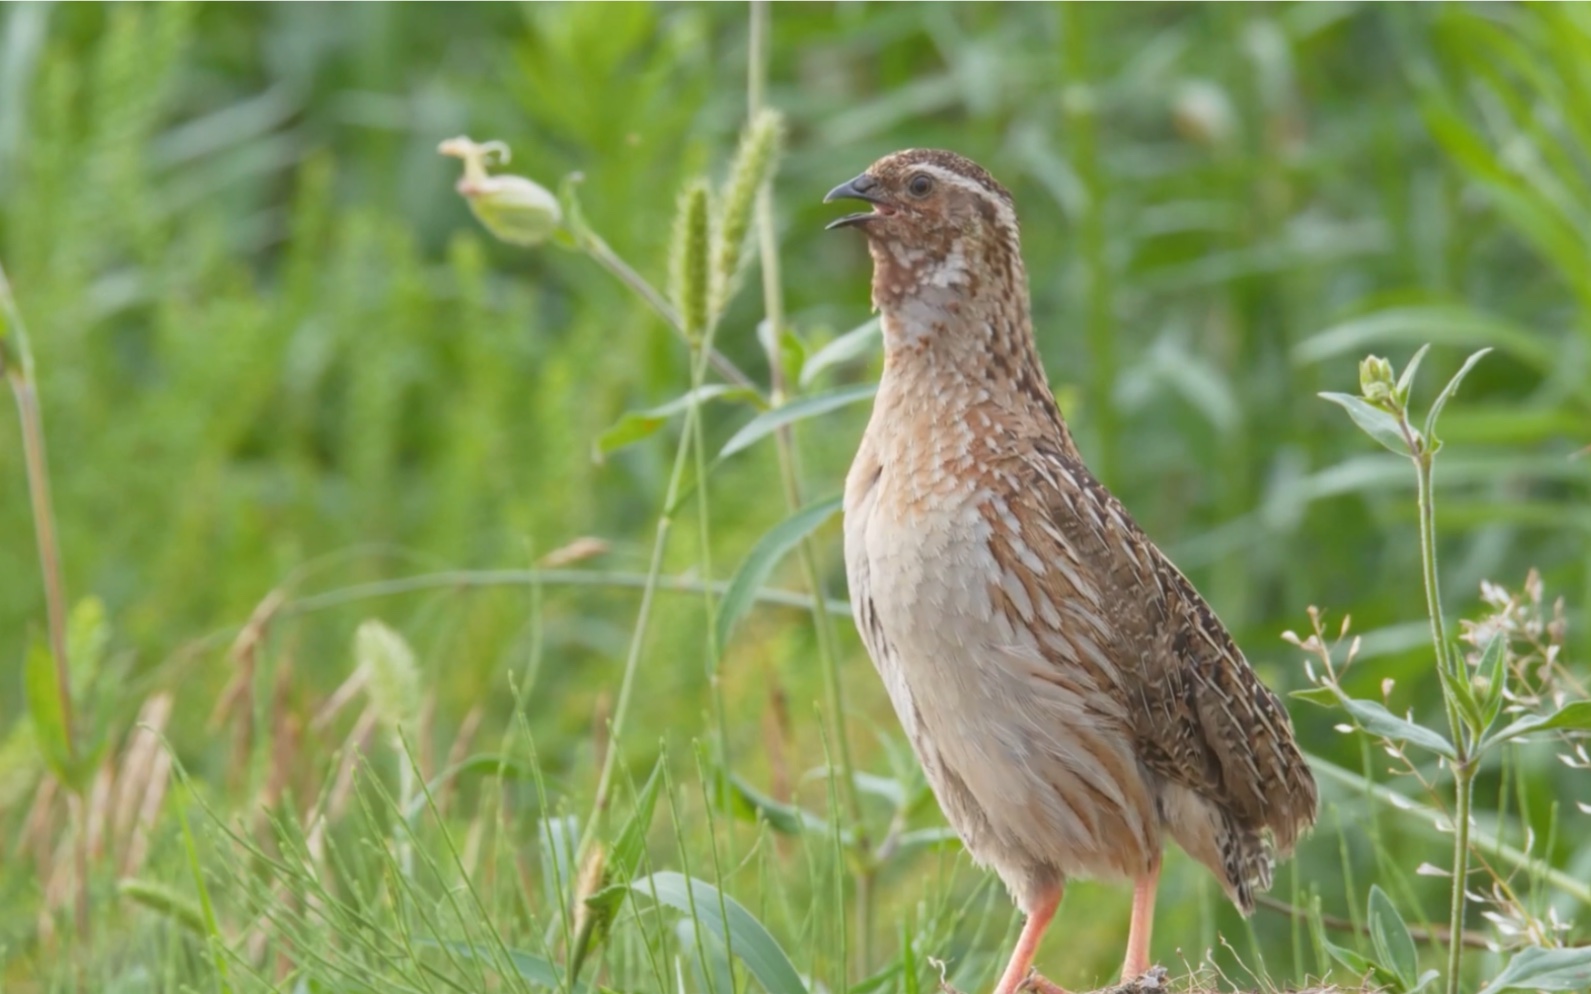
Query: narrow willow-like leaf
{"type": "Point", "coordinates": [49, 718]}
{"type": "Point", "coordinates": [634, 426]}
{"type": "Point", "coordinates": [768, 422]}
{"type": "Point", "coordinates": [1449, 390]}
{"type": "Point", "coordinates": [1356, 963]}
{"type": "Point", "coordinates": [755, 569]}
{"type": "Point", "coordinates": [1323, 696]}
{"type": "Point", "coordinates": [1394, 945]}
{"type": "Point", "coordinates": [1461, 689]}
{"type": "Point", "coordinates": [851, 345]}
{"type": "Point", "coordinates": [1575, 716]}
{"type": "Point", "coordinates": [1495, 674]}
{"type": "Point", "coordinates": [749, 803]}
{"type": "Point", "coordinates": [753, 945]}
{"type": "Point", "coordinates": [1377, 720]}
{"type": "Point", "coordinates": [1406, 380]}
{"type": "Point", "coordinates": [1537, 969]}
{"type": "Point", "coordinates": [1373, 421]}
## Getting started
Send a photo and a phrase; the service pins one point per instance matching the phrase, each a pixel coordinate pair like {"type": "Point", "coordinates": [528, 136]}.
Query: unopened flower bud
{"type": "Point", "coordinates": [1376, 382]}
{"type": "Point", "coordinates": [513, 208]}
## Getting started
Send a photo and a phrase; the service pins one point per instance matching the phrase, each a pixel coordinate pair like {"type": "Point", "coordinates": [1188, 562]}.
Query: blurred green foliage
{"type": "Point", "coordinates": [275, 351]}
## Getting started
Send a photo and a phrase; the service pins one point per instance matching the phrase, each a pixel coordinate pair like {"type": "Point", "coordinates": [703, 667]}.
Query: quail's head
{"type": "Point", "coordinates": [937, 219]}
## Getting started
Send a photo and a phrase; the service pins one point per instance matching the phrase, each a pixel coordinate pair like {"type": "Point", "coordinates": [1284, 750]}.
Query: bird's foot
{"type": "Point", "coordinates": [1035, 984]}
{"type": "Point", "coordinates": [945, 986]}
{"type": "Point", "coordinates": [1152, 981]}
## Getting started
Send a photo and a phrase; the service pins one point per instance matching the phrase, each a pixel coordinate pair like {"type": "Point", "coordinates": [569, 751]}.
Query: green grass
{"type": "Point", "coordinates": [289, 385]}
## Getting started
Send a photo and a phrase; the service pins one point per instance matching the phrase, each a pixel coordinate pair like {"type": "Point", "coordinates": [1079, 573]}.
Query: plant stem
{"type": "Point", "coordinates": [701, 343]}
{"type": "Point", "coordinates": [632, 659]}
{"type": "Point", "coordinates": [789, 472]}
{"type": "Point", "coordinates": [19, 372]}
{"type": "Point", "coordinates": [1463, 765]}
{"type": "Point", "coordinates": [1464, 790]}
{"type": "Point", "coordinates": [49, 552]}
{"type": "Point", "coordinates": [16, 365]}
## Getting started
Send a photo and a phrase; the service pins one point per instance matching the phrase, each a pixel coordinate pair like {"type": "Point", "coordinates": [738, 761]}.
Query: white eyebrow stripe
{"type": "Point", "coordinates": [1003, 209]}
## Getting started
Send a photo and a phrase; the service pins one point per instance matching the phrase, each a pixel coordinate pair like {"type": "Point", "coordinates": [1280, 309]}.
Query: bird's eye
{"type": "Point", "coordinates": [919, 185]}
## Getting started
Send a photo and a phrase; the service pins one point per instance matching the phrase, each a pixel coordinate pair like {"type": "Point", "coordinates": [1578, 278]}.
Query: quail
{"type": "Point", "coordinates": [1072, 700]}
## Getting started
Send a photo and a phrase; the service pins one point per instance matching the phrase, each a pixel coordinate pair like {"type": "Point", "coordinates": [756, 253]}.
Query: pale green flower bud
{"type": "Point", "coordinates": [1376, 381]}
{"type": "Point", "coordinates": [513, 208]}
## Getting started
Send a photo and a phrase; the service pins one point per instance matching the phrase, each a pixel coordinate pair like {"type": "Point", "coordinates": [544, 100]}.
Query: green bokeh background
{"type": "Point", "coordinates": [273, 347]}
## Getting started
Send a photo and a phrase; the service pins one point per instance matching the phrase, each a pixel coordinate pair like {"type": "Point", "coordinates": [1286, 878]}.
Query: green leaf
{"type": "Point", "coordinates": [630, 845]}
{"type": "Point", "coordinates": [1406, 381]}
{"type": "Point", "coordinates": [1449, 390]}
{"type": "Point", "coordinates": [490, 764]}
{"type": "Point", "coordinates": [634, 426]}
{"type": "Point", "coordinates": [708, 957]}
{"type": "Point", "coordinates": [49, 717]}
{"type": "Point", "coordinates": [887, 789]}
{"type": "Point", "coordinates": [1394, 945]}
{"type": "Point", "coordinates": [1356, 963]}
{"type": "Point", "coordinates": [1492, 670]}
{"type": "Point", "coordinates": [1461, 690]}
{"type": "Point", "coordinates": [624, 857]}
{"type": "Point", "coordinates": [754, 570]}
{"type": "Point", "coordinates": [1538, 969]}
{"type": "Point", "coordinates": [730, 923]}
{"type": "Point", "coordinates": [1373, 421]}
{"type": "Point", "coordinates": [87, 635]}
{"type": "Point", "coordinates": [926, 838]}
{"type": "Point", "coordinates": [1575, 715]}
{"type": "Point", "coordinates": [854, 343]}
{"type": "Point", "coordinates": [530, 967]}
{"type": "Point", "coordinates": [1323, 696]}
{"type": "Point", "coordinates": [1377, 720]}
{"type": "Point", "coordinates": [811, 406]}
{"type": "Point", "coordinates": [751, 804]}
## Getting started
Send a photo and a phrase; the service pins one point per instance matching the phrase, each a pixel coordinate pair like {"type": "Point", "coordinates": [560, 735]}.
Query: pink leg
{"type": "Point", "coordinates": [1019, 974]}
{"type": "Point", "coordinates": [1143, 920]}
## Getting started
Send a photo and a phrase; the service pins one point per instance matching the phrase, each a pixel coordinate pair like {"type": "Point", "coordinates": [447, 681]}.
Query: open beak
{"type": "Point", "coordinates": [863, 187]}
